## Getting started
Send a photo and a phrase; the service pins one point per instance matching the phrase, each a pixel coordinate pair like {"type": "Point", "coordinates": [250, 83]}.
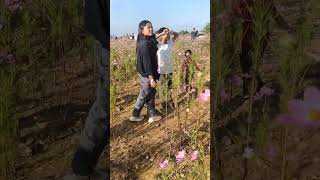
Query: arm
{"type": "Point", "coordinates": [159, 35]}
{"type": "Point", "coordinates": [146, 61]}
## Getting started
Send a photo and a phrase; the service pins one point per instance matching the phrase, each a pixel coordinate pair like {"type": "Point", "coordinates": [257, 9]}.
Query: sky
{"type": "Point", "coordinates": [125, 15]}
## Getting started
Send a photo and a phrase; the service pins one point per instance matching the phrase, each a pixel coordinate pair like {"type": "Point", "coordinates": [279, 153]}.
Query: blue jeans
{"type": "Point", "coordinates": [94, 137]}
{"type": "Point", "coordinates": [146, 97]}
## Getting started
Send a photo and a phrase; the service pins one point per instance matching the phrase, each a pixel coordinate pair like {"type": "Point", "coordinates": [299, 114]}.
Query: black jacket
{"type": "Point", "coordinates": [96, 19]}
{"type": "Point", "coordinates": [147, 57]}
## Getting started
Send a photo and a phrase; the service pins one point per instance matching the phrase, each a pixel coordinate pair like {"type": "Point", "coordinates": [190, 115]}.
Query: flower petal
{"type": "Point", "coordinates": [312, 97]}
{"type": "Point", "coordinates": [298, 108]}
{"type": "Point", "coordinates": [194, 155]}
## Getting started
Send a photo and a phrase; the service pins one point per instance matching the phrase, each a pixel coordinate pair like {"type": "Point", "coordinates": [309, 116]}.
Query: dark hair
{"type": "Point", "coordinates": [161, 30]}
{"type": "Point", "coordinates": [142, 24]}
{"type": "Point", "coordinates": [188, 50]}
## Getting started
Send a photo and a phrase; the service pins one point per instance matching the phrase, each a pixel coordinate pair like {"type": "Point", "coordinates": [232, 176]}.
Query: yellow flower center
{"type": "Point", "coordinates": [314, 115]}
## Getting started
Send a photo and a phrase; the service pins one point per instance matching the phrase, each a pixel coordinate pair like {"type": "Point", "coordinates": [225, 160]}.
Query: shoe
{"type": "Point", "coordinates": [136, 119]}
{"type": "Point", "coordinates": [154, 118]}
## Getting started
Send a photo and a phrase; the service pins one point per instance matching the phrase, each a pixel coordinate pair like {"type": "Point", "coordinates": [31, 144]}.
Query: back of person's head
{"type": "Point", "coordinates": [161, 30]}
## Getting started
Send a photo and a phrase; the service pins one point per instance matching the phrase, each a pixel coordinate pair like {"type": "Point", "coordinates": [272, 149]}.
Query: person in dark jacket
{"type": "Point", "coordinates": [94, 136]}
{"type": "Point", "coordinates": [148, 69]}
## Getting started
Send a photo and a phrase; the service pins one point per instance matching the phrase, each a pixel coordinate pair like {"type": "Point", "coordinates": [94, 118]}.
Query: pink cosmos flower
{"type": "Point", "coordinates": [180, 156]}
{"type": "Point", "coordinates": [204, 97]}
{"type": "Point", "coordinates": [303, 113]}
{"type": "Point", "coordinates": [164, 164]}
{"type": "Point", "coordinates": [115, 62]}
{"type": "Point", "coordinates": [264, 91]}
{"type": "Point", "coordinates": [194, 155]}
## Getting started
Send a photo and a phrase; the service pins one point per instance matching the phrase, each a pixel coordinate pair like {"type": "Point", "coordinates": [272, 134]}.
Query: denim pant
{"type": "Point", "coordinates": [94, 137]}
{"type": "Point", "coordinates": [146, 97]}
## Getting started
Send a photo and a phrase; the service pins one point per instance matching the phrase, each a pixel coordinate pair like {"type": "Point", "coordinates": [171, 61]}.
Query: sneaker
{"type": "Point", "coordinates": [136, 119]}
{"type": "Point", "coordinates": [154, 118]}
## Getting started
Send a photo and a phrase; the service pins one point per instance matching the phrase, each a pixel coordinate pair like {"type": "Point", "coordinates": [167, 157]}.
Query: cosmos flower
{"type": "Point", "coordinates": [164, 164]}
{"type": "Point", "coordinates": [264, 91]}
{"type": "Point", "coordinates": [204, 97]}
{"type": "Point", "coordinates": [303, 113]}
{"type": "Point", "coordinates": [194, 155]}
{"type": "Point", "coordinates": [180, 156]}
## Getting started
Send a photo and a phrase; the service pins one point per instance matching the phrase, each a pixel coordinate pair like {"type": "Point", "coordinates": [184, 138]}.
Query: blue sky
{"type": "Point", "coordinates": [178, 15]}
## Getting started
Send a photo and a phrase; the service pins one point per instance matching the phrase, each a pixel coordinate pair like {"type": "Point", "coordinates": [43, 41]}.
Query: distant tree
{"type": "Point", "coordinates": [183, 32]}
{"type": "Point", "coordinates": [206, 28]}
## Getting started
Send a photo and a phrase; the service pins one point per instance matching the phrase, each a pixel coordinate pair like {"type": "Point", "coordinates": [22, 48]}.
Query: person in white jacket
{"type": "Point", "coordinates": [166, 39]}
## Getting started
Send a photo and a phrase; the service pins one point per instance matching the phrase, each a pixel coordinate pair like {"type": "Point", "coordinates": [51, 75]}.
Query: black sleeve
{"type": "Point", "coordinates": [146, 60]}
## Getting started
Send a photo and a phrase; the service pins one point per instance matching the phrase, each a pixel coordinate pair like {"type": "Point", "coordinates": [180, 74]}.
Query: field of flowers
{"type": "Point", "coordinates": [270, 134]}
{"type": "Point", "coordinates": [43, 47]}
{"type": "Point", "coordinates": [177, 147]}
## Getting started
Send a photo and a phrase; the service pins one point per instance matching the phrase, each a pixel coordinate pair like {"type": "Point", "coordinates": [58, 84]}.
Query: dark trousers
{"type": "Point", "coordinates": [93, 138]}
{"type": "Point", "coordinates": [146, 97]}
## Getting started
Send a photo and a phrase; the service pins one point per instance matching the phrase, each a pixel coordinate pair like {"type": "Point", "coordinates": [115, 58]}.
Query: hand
{"type": "Point", "coordinates": [166, 31]}
{"type": "Point", "coordinates": [153, 83]}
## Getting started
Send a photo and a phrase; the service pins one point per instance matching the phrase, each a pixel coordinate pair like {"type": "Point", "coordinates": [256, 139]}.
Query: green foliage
{"type": "Point", "coordinates": [8, 122]}
{"type": "Point", "coordinates": [183, 32]}
{"type": "Point", "coordinates": [206, 28]}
